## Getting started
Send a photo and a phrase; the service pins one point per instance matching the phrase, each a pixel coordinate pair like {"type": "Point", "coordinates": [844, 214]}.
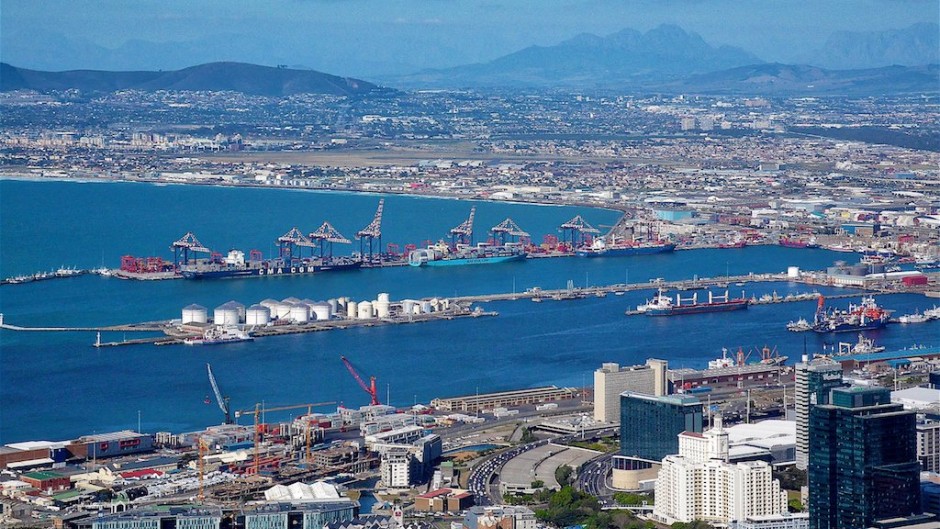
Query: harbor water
{"type": "Point", "coordinates": [57, 386]}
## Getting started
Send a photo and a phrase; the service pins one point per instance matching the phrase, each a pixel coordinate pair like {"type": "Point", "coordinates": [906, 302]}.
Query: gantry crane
{"type": "Point", "coordinates": [371, 232]}
{"type": "Point", "coordinates": [507, 227]}
{"type": "Point", "coordinates": [187, 243]}
{"type": "Point", "coordinates": [222, 401]}
{"type": "Point", "coordinates": [370, 389]}
{"type": "Point", "coordinates": [289, 240]}
{"type": "Point", "coordinates": [258, 410]}
{"type": "Point", "coordinates": [464, 232]}
{"type": "Point", "coordinates": [326, 233]}
{"type": "Point", "coordinates": [577, 228]}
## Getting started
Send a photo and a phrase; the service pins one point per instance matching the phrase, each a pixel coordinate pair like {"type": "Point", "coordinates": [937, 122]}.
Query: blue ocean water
{"type": "Point", "coordinates": [56, 386]}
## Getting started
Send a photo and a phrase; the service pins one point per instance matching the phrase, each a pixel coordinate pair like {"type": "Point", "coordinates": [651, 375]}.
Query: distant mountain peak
{"type": "Point", "coordinates": [247, 78]}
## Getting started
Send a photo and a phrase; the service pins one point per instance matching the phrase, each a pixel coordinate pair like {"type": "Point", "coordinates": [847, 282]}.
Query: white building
{"type": "Point", "coordinates": [395, 468]}
{"type": "Point", "coordinates": [812, 378]}
{"type": "Point", "coordinates": [700, 484]}
{"type": "Point", "coordinates": [613, 379]}
{"type": "Point", "coordinates": [928, 445]}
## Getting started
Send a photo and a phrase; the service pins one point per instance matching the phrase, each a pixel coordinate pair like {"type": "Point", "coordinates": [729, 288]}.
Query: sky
{"type": "Point", "coordinates": [374, 38]}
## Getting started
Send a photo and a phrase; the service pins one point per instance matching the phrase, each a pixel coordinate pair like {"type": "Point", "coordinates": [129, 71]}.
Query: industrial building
{"type": "Point", "coordinates": [700, 484]}
{"type": "Point", "coordinates": [33, 454]}
{"type": "Point", "coordinates": [613, 379]}
{"type": "Point", "coordinates": [407, 455]}
{"type": "Point", "coordinates": [113, 444]}
{"type": "Point", "coordinates": [488, 401]}
{"type": "Point", "coordinates": [182, 517]}
{"type": "Point", "coordinates": [47, 482]}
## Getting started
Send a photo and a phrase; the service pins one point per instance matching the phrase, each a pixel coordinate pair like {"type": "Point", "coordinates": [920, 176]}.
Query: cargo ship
{"type": "Point", "coordinates": [865, 316]}
{"type": "Point", "coordinates": [798, 243]}
{"type": "Point", "coordinates": [219, 335]}
{"type": "Point", "coordinates": [441, 254]}
{"type": "Point", "coordinates": [234, 265]}
{"type": "Point", "coordinates": [662, 305]}
{"type": "Point", "coordinates": [599, 248]}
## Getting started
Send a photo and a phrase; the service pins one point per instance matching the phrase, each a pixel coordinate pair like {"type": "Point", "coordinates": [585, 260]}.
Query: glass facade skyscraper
{"type": "Point", "coordinates": [862, 460]}
{"type": "Point", "coordinates": [650, 426]}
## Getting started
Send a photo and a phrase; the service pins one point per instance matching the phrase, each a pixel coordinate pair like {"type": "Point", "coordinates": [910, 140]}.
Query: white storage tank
{"type": "Point", "coordinates": [445, 304]}
{"type": "Point", "coordinates": [384, 297]}
{"type": "Point", "coordinates": [435, 304]}
{"type": "Point", "coordinates": [381, 308]}
{"type": "Point", "coordinates": [793, 272]}
{"type": "Point", "coordinates": [320, 311]}
{"type": "Point", "coordinates": [407, 306]}
{"type": "Point", "coordinates": [281, 311]}
{"type": "Point", "coordinates": [299, 313]}
{"type": "Point", "coordinates": [333, 306]}
{"type": "Point", "coordinates": [365, 310]}
{"type": "Point", "coordinates": [352, 310]}
{"type": "Point", "coordinates": [226, 314]}
{"type": "Point", "coordinates": [425, 307]}
{"type": "Point", "coordinates": [195, 314]}
{"type": "Point", "coordinates": [258, 315]}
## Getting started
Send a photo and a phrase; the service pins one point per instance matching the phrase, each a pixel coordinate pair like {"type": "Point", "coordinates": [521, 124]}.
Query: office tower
{"type": "Point", "coordinates": [814, 380]}
{"type": "Point", "coordinates": [613, 379]}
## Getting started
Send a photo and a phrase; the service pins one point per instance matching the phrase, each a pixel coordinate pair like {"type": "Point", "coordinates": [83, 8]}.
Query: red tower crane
{"type": "Point", "coordinates": [370, 389]}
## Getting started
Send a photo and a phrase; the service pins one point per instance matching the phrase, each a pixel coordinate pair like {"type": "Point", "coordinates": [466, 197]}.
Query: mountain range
{"type": "Point", "coordinates": [628, 56]}
{"type": "Point", "coordinates": [238, 77]}
{"type": "Point", "coordinates": [915, 45]}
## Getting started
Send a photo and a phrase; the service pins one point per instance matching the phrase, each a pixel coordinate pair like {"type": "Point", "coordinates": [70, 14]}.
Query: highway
{"type": "Point", "coordinates": [593, 479]}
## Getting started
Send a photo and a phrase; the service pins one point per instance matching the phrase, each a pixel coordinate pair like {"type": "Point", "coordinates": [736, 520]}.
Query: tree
{"type": "Point", "coordinates": [528, 436]}
{"type": "Point", "coordinates": [537, 484]}
{"type": "Point", "coordinates": [563, 475]}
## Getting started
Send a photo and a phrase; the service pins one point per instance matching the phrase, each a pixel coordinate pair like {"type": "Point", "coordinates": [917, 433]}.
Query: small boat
{"type": "Point", "coordinates": [800, 325]}
{"type": "Point", "coordinates": [219, 335]}
{"type": "Point", "coordinates": [913, 318]}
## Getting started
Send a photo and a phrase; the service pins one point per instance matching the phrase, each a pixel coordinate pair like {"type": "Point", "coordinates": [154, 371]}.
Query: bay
{"type": "Point", "coordinates": [56, 386]}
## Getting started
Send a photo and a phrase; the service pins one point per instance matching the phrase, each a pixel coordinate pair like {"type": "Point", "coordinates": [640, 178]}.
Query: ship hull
{"type": "Point", "coordinates": [234, 273]}
{"type": "Point", "coordinates": [472, 261]}
{"type": "Point", "coordinates": [625, 252]}
{"type": "Point", "coordinates": [848, 327]}
{"type": "Point", "coordinates": [218, 342]}
{"type": "Point", "coordinates": [702, 308]}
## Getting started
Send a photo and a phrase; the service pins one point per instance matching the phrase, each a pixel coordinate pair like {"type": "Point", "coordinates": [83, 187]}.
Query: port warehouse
{"type": "Point", "coordinates": [487, 401]}
{"type": "Point", "coordinates": [44, 453]}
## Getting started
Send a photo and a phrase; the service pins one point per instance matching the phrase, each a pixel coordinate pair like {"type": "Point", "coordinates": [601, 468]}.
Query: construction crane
{"type": "Point", "coordinates": [223, 402]}
{"type": "Point", "coordinates": [370, 389]}
{"type": "Point", "coordinates": [507, 227]}
{"type": "Point", "coordinates": [371, 232]}
{"type": "Point", "coordinates": [258, 410]}
{"type": "Point", "coordinates": [187, 243]}
{"type": "Point", "coordinates": [464, 232]}
{"type": "Point", "coordinates": [577, 228]}
{"type": "Point", "coordinates": [326, 233]}
{"type": "Point", "coordinates": [289, 240]}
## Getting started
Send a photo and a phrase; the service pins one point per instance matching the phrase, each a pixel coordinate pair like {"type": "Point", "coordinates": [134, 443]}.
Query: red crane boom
{"type": "Point", "coordinates": [370, 389]}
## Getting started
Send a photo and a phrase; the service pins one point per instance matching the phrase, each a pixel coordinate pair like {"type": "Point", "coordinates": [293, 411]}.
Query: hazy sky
{"type": "Point", "coordinates": [375, 37]}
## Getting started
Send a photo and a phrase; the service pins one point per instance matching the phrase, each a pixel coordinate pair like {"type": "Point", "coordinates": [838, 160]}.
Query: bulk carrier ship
{"type": "Point", "coordinates": [623, 249]}
{"type": "Point", "coordinates": [662, 305]}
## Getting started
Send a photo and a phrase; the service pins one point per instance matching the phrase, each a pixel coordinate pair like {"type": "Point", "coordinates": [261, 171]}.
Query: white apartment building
{"type": "Point", "coordinates": [700, 484]}
{"type": "Point", "coordinates": [395, 468]}
{"type": "Point", "coordinates": [928, 445]}
{"type": "Point", "coordinates": [612, 379]}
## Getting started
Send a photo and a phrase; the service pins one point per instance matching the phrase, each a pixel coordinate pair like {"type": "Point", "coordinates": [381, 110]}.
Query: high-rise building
{"type": "Point", "coordinates": [699, 484]}
{"type": "Point", "coordinates": [650, 425]}
{"type": "Point", "coordinates": [862, 460]}
{"type": "Point", "coordinates": [814, 380]}
{"type": "Point", "coordinates": [928, 445]}
{"type": "Point", "coordinates": [613, 379]}
{"type": "Point", "coordinates": [649, 430]}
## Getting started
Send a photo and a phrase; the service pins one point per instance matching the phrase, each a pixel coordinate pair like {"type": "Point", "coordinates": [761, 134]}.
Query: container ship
{"type": "Point", "coordinates": [862, 317]}
{"type": "Point", "coordinates": [234, 265]}
{"type": "Point", "coordinates": [601, 249]}
{"type": "Point", "coordinates": [662, 305]}
{"type": "Point", "coordinates": [442, 254]}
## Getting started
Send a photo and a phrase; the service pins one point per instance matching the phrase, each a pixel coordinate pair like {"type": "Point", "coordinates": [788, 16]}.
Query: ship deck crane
{"type": "Point", "coordinates": [187, 243]}
{"type": "Point", "coordinates": [506, 228]}
{"type": "Point", "coordinates": [370, 389]}
{"type": "Point", "coordinates": [463, 233]}
{"type": "Point", "coordinates": [371, 232]}
{"type": "Point", "coordinates": [326, 233]}
{"type": "Point", "coordinates": [258, 410]}
{"type": "Point", "coordinates": [575, 229]}
{"type": "Point", "coordinates": [289, 240]}
{"type": "Point", "coordinates": [223, 402]}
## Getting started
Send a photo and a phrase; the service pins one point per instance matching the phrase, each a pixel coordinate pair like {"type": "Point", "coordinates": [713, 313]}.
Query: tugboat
{"type": "Point", "coordinates": [862, 317]}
